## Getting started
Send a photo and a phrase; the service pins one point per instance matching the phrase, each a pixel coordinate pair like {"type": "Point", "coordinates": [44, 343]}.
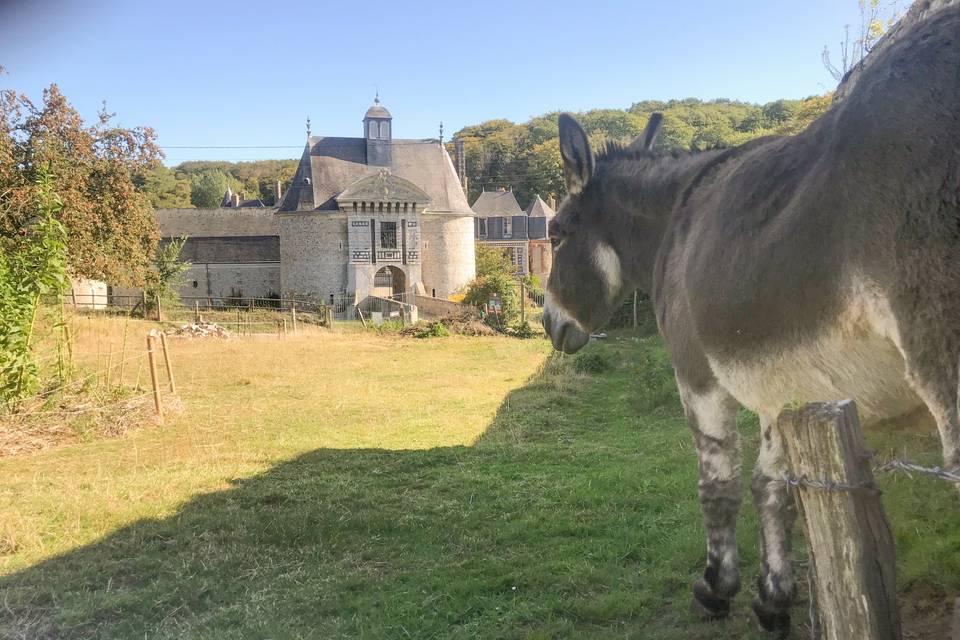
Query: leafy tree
{"type": "Point", "coordinates": [208, 188]}
{"type": "Point", "coordinates": [165, 188]}
{"type": "Point", "coordinates": [33, 263]}
{"type": "Point", "coordinates": [492, 261]}
{"type": "Point", "coordinates": [168, 273]}
{"type": "Point", "coordinates": [111, 231]}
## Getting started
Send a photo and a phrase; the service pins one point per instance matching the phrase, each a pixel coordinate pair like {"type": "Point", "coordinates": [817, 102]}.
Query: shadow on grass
{"type": "Point", "coordinates": [574, 515]}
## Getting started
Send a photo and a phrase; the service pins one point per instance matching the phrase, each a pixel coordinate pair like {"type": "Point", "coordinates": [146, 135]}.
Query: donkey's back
{"type": "Point", "coordinates": [827, 265]}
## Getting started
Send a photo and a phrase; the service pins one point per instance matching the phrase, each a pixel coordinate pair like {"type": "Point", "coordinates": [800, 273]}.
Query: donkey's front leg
{"type": "Point", "coordinates": [777, 513]}
{"type": "Point", "coordinates": [712, 416]}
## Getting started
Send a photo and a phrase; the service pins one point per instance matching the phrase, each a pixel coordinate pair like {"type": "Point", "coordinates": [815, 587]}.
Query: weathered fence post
{"type": "Point", "coordinates": [635, 323]}
{"type": "Point", "coordinates": [196, 312]}
{"type": "Point", "coordinates": [294, 312]}
{"type": "Point", "coordinates": [849, 538]}
{"type": "Point", "coordinates": [157, 402]}
{"type": "Point", "coordinates": [167, 363]}
{"type": "Point", "coordinates": [159, 309]}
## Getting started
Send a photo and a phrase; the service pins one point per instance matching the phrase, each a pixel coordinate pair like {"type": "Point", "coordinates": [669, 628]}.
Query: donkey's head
{"type": "Point", "coordinates": [589, 234]}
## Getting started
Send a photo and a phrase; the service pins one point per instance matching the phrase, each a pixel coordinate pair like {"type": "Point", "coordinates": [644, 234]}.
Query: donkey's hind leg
{"type": "Point", "coordinates": [712, 416]}
{"type": "Point", "coordinates": [777, 513]}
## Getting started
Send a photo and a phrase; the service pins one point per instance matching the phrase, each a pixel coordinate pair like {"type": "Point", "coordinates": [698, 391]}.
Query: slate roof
{"type": "Point", "coordinates": [330, 164]}
{"type": "Point", "coordinates": [497, 204]}
{"type": "Point", "coordinates": [539, 209]}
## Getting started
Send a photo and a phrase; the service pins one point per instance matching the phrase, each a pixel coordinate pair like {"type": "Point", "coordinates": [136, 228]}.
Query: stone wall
{"type": "Point", "coordinates": [219, 280]}
{"type": "Point", "coordinates": [437, 307]}
{"type": "Point", "coordinates": [313, 253]}
{"type": "Point", "coordinates": [449, 260]}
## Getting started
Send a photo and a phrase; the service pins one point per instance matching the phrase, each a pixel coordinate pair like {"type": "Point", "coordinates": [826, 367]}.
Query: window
{"type": "Point", "coordinates": [507, 227]}
{"type": "Point", "coordinates": [388, 235]}
{"type": "Point", "coordinates": [384, 130]}
{"type": "Point", "coordinates": [373, 129]}
{"type": "Point", "coordinates": [482, 227]}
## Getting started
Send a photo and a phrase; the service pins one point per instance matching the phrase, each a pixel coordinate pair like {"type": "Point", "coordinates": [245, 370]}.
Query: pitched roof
{"type": "Point", "coordinates": [497, 204]}
{"type": "Point", "coordinates": [329, 165]}
{"type": "Point", "coordinates": [539, 209]}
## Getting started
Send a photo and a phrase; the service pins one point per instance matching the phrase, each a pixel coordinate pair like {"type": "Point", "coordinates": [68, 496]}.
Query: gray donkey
{"type": "Point", "coordinates": [810, 268]}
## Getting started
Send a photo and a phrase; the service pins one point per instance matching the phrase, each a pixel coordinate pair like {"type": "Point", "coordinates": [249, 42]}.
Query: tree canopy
{"type": "Point", "coordinates": [526, 157]}
{"type": "Point", "coordinates": [110, 228]}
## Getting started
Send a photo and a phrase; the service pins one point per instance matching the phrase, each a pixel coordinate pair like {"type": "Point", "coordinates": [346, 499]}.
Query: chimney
{"type": "Point", "coordinates": [279, 193]}
{"type": "Point", "coordinates": [235, 201]}
{"type": "Point", "coordinates": [461, 162]}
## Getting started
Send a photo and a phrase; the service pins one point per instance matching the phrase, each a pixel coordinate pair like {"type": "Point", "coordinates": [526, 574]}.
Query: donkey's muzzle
{"type": "Point", "coordinates": [564, 332]}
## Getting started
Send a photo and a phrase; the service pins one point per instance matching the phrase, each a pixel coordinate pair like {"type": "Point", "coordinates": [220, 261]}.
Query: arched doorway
{"type": "Point", "coordinates": [389, 281]}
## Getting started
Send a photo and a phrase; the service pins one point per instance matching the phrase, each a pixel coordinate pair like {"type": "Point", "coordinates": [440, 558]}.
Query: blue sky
{"type": "Point", "coordinates": [249, 73]}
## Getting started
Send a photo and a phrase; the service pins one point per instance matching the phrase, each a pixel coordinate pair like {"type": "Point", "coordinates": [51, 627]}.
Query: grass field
{"type": "Point", "coordinates": [356, 485]}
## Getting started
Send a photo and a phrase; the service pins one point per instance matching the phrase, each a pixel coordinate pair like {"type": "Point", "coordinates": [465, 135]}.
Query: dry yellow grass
{"type": "Point", "coordinates": [248, 404]}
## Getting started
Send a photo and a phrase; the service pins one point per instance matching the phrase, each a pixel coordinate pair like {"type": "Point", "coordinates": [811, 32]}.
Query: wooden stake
{"type": "Point", "coordinates": [360, 313]}
{"type": "Point", "coordinates": [635, 324]}
{"type": "Point", "coordinates": [294, 319]}
{"type": "Point", "coordinates": [196, 312]}
{"type": "Point", "coordinates": [851, 546]}
{"type": "Point", "coordinates": [167, 363]}
{"type": "Point", "coordinates": [154, 381]}
{"type": "Point", "coordinates": [123, 353]}
{"type": "Point", "coordinates": [73, 296]}
{"type": "Point", "coordinates": [109, 364]}
{"type": "Point", "coordinates": [159, 309]}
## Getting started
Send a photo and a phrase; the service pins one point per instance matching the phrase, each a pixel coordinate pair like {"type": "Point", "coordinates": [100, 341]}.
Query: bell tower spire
{"type": "Point", "coordinates": [377, 130]}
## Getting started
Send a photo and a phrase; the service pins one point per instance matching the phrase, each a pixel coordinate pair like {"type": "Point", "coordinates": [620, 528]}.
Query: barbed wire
{"type": "Point", "coordinates": [891, 466]}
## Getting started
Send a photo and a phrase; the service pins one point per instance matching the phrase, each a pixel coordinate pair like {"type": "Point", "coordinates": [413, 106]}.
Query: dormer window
{"type": "Point", "coordinates": [507, 227]}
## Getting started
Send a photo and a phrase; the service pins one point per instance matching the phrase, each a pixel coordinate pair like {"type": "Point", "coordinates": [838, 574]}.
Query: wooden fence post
{"type": "Point", "coordinates": [167, 363]}
{"type": "Point", "coordinates": [159, 309]}
{"type": "Point", "coordinates": [851, 546]}
{"type": "Point", "coordinates": [196, 312]}
{"type": "Point", "coordinates": [635, 324]}
{"type": "Point", "coordinates": [294, 310]}
{"type": "Point", "coordinates": [157, 402]}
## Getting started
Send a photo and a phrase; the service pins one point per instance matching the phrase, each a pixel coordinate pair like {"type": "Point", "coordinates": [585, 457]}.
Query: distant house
{"type": "Point", "coordinates": [231, 199]}
{"type": "Point", "coordinates": [521, 234]}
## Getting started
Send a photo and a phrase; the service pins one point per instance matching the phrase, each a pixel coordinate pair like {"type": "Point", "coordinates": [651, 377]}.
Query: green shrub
{"type": "Point", "coordinates": [593, 361]}
{"type": "Point", "coordinates": [495, 286]}
{"type": "Point", "coordinates": [524, 330]}
{"type": "Point", "coordinates": [432, 330]}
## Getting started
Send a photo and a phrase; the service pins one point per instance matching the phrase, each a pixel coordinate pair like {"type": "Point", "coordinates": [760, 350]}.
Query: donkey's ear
{"type": "Point", "coordinates": [649, 136]}
{"type": "Point", "coordinates": [576, 154]}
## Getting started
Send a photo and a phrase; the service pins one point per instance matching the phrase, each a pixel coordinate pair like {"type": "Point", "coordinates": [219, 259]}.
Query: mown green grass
{"type": "Point", "coordinates": [574, 514]}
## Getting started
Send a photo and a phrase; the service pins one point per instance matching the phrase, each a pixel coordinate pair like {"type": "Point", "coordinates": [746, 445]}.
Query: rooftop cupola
{"type": "Point", "coordinates": [377, 125]}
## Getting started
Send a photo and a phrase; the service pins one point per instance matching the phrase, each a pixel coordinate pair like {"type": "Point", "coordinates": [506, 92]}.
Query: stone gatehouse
{"type": "Point", "coordinates": [368, 215]}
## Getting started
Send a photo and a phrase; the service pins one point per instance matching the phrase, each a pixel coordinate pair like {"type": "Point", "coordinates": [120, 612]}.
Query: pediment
{"type": "Point", "coordinates": [383, 185]}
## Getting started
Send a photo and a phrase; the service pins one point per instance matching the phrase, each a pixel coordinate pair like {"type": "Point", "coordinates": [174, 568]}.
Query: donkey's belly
{"type": "Point", "coordinates": [861, 365]}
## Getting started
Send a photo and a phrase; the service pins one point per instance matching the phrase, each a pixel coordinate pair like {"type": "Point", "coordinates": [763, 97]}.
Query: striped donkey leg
{"type": "Point", "coordinates": [712, 418]}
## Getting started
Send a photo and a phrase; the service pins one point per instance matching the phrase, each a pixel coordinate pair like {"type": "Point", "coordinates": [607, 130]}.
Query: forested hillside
{"type": "Point", "coordinates": [201, 183]}
{"type": "Point", "coordinates": [526, 157]}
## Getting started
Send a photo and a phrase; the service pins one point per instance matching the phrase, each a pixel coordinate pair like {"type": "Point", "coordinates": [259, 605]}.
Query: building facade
{"type": "Point", "coordinates": [520, 233]}
{"type": "Point", "coordinates": [363, 216]}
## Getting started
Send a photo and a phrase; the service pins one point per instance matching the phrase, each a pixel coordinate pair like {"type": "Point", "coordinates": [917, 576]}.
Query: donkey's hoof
{"type": "Point", "coordinates": [776, 621]}
{"type": "Point", "coordinates": [706, 604]}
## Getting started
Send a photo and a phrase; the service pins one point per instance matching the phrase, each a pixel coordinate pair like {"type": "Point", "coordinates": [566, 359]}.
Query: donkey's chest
{"type": "Point", "coordinates": [849, 362]}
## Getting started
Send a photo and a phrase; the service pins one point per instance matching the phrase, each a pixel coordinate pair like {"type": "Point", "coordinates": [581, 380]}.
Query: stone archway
{"type": "Point", "coordinates": [389, 281]}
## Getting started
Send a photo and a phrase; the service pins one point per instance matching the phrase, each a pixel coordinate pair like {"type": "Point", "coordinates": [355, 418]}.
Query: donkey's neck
{"type": "Point", "coordinates": [645, 191]}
